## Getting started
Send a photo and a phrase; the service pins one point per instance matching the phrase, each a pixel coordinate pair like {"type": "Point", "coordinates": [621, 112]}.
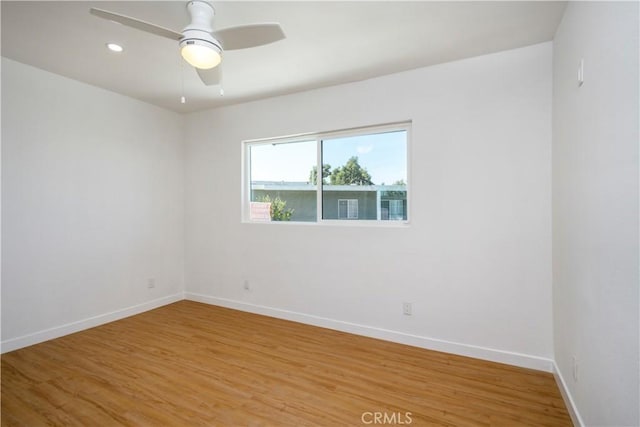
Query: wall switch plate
{"type": "Point", "coordinates": [151, 283]}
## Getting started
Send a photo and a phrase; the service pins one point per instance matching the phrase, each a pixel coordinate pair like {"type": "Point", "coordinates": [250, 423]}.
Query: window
{"type": "Point", "coordinates": [279, 188]}
{"type": "Point", "coordinates": [355, 175]}
{"type": "Point", "coordinates": [348, 208]}
{"type": "Point", "coordinates": [395, 208]}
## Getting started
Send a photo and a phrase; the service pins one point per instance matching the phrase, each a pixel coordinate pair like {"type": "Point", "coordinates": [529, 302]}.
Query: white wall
{"type": "Point", "coordinates": [476, 260]}
{"type": "Point", "coordinates": [92, 204]}
{"type": "Point", "coordinates": [595, 210]}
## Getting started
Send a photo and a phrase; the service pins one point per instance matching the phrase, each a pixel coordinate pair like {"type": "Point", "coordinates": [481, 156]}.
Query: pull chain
{"type": "Point", "coordinates": [183, 100]}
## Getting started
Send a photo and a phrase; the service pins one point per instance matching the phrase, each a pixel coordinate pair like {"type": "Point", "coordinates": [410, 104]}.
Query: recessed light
{"type": "Point", "coordinates": [114, 47]}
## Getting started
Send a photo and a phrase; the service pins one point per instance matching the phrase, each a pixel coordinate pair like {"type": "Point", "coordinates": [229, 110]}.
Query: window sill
{"type": "Point", "coordinates": [335, 223]}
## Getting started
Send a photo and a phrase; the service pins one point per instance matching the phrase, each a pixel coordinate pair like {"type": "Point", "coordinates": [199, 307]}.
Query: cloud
{"type": "Point", "coordinates": [364, 149]}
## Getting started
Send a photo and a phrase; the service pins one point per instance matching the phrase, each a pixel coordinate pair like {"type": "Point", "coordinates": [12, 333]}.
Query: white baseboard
{"type": "Point", "coordinates": [499, 356]}
{"type": "Point", "coordinates": [70, 328]}
{"type": "Point", "coordinates": [566, 396]}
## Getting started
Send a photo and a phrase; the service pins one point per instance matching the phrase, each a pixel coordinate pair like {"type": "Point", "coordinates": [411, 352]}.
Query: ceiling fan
{"type": "Point", "coordinates": [199, 45]}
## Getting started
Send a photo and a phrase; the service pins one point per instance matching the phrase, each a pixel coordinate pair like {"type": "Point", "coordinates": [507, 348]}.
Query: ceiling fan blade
{"type": "Point", "coordinates": [136, 23]}
{"type": "Point", "coordinates": [245, 36]}
{"type": "Point", "coordinates": [210, 77]}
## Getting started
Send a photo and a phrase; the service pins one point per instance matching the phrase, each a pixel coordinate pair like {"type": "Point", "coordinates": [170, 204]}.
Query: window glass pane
{"type": "Point", "coordinates": [348, 209]}
{"type": "Point", "coordinates": [365, 177]}
{"type": "Point", "coordinates": [280, 181]}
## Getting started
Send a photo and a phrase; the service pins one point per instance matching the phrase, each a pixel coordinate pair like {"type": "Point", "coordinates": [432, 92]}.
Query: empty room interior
{"type": "Point", "coordinates": [320, 213]}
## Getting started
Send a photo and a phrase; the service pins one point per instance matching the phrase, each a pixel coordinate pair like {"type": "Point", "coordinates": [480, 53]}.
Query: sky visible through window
{"type": "Point", "coordinates": [384, 156]}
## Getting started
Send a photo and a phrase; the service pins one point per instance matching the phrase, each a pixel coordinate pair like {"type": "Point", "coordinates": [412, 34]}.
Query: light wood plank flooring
{"type": "Point", "coordinates": [194, 364]}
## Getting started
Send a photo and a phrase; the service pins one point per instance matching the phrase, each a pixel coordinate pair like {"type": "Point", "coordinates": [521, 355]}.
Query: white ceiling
{"type": "Point", "coordinates": [327, 43]}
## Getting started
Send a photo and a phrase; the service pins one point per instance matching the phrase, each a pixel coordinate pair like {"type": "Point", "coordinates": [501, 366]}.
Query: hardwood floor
{"type": "Point", "coordinates": [194, 364]}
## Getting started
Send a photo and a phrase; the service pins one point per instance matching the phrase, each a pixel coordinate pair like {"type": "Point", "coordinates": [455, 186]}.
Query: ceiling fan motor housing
{"type": "Point", "coordinates": [200, 37]}
{"type": "Point", "coordinates": [200, 28]}
{"type": "Point", "coordinates": [202, 13]}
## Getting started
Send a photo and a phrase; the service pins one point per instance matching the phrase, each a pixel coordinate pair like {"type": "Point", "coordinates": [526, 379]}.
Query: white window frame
{"type": "Point", "coordinates": [319, 137]}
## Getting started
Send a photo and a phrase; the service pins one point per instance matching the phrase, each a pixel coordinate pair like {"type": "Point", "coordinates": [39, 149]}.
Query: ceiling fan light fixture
{"type": "Point", "coordinates": [200, 53]}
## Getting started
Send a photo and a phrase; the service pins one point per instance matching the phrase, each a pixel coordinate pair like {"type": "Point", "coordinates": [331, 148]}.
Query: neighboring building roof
{"type": "Point", "coordinates": [306, 186]}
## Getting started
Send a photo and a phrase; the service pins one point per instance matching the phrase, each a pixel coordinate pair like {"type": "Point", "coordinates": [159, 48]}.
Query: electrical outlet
{"type": "Point", "coordinates": [151, 283]}
{"type": "Point", "coordinates": [247, 286]}
{"type": "Point", "coordinates": [574, 367]}
{"type": "Point", "coordinates": [406, 308]}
